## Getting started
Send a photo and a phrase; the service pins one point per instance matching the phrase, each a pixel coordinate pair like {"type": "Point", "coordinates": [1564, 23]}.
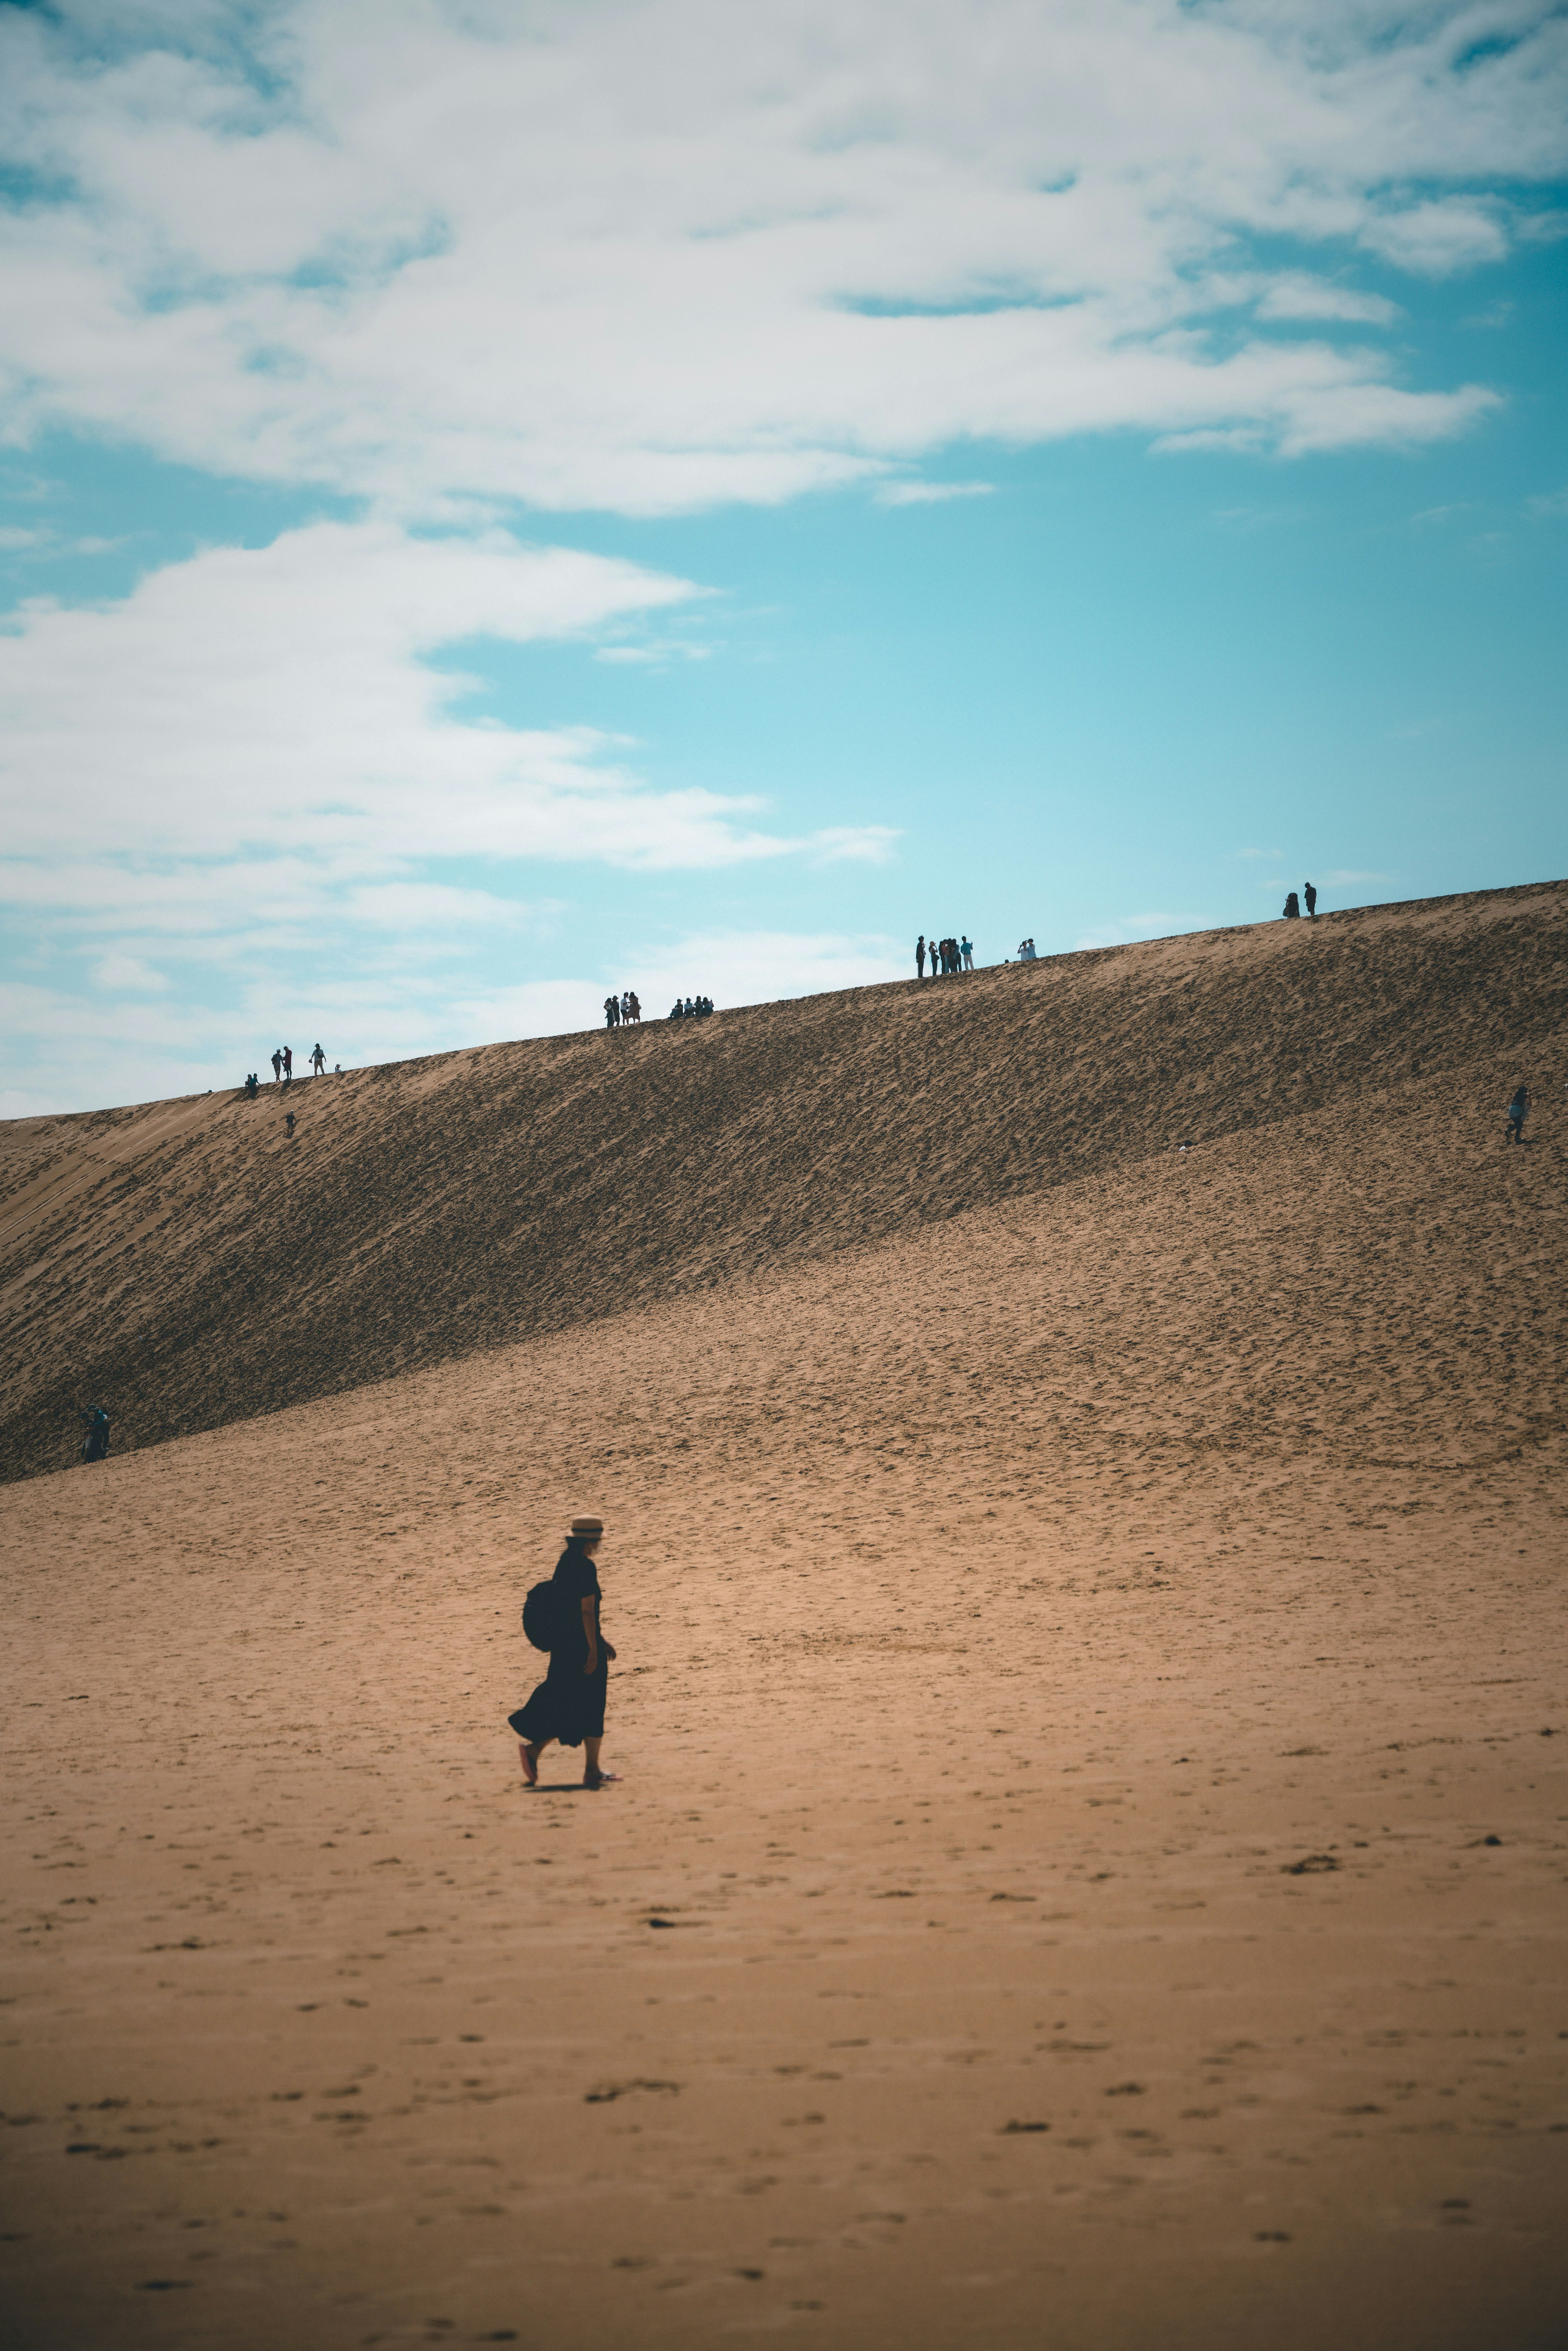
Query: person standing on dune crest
{"type": "Point", "coordinates": [568, 1704]}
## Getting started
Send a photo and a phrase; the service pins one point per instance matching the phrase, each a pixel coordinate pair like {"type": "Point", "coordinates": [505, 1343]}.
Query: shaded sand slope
{"type": "Point", "coordinates": [191, 1267]}
{"type": "Point", "coordinates": [1092, 1863]}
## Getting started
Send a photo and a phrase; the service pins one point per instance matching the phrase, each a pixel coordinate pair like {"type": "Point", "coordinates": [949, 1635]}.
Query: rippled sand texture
{"type": "Point", "coordinates": [1091, 1865]}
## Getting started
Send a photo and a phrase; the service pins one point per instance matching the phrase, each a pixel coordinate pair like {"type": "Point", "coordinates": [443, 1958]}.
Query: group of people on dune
{"type": "Point", "coordinates": [618, 1008]}
{"type": "Point", "coordinates": [946, 954]}
{"type": "Point", "coordinates": [283, 1068]}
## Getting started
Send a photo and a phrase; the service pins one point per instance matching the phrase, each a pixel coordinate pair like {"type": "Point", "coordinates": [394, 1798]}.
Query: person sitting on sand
{"type": "Point", "coordinates": [568, 1704]}
{"type": "Point", "coordinates": [1518, 1112]}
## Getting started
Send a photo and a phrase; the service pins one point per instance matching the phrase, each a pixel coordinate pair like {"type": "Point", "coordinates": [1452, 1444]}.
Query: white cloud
{"type": "Point", "coordinates": [100, 1052]}
{"type": "Point", "coordinates": [672, 253]}
{"type": "Point", "coordinates": [1295, 295]}
{"type": "Point", "coordinates": [263, 704]}
{"type": "Point", "coordinates": [1437, 239]}
{"type": "Point", "coordinates": [930, 494]}
{"type": "Point", "coordinates": [1553, 503]}
{"type": "Point", "coordinates": [733, 967]}
{"type": "Point", "coordinates": [118, 972]}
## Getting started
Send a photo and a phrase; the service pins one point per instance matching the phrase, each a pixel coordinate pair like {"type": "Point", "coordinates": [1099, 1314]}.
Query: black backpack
{"type": "Point", "coordinates": [540, 1617]}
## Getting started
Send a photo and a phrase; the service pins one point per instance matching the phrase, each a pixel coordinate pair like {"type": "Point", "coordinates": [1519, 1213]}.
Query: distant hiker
{"type": "Point", "coordinates": [336, 1068]}
{"type": "Point", "coordinates": [288, 1122]}
{"type": "Point", "coordinates": [1311, 895]}
{"type": "Point", "coordinates": [1026, 951]}
{"type": "Point", "coordinates": [289, 1062]}
{"type": "Point", "coordinates": [920, 956]}
{"type": "Point", "coordinates": [276, 1067]}
{"type": "Point", "coordinates": [95, 1444]}
{"type": "Point", "coordinates": [251, 1085]}
{"type": "Point", "coordinates": [1518, 1112]}
{"type": "Point", "coordinates": [636, 1009]}
{"type": "Point", "coordinates": [968, 952]}
{"type": "Point", "coordinates": [611, 1012]}
{"type": "Point", "coordinates": [318, 1060]}
{"type": "Point", "coordinates": [1292, 908]}
{"type": "Point", "coordinates": [568, 1704]}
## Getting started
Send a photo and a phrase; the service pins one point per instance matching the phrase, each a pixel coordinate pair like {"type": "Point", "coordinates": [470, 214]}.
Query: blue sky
{"type": "Point", "coordinates": [501, 502]}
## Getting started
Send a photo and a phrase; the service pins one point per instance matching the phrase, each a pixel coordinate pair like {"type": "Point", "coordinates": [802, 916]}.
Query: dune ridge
{"type": "Point", "coordinates": [192, 1264]}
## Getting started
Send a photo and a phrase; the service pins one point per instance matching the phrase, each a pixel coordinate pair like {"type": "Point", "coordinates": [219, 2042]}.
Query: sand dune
{"type": "Point", "coordinates": [1091, 1694]}
{"type": "Point", "coordinates": [193, 1265]}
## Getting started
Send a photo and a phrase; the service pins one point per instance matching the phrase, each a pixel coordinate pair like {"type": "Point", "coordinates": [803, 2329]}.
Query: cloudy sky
{"type": "Point", "coordinates": [500, 500]}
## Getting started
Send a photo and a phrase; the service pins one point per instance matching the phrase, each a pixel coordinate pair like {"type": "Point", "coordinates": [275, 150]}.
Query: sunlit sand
{"type": "Point", "coordinates": [1090, 1864]}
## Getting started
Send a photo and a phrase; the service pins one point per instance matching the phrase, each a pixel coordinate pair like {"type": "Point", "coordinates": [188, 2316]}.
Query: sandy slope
{"type": "Point", "coordinates": [193, 1267]}
{"type": "Point", "coordinates": [1006, 1605]}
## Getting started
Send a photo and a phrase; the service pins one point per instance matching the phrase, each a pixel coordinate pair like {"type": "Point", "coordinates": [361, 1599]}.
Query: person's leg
{"type": "Point", "coordinates": [592, 1777]}
{"type": "Point", "coordinates": [530, 1754]}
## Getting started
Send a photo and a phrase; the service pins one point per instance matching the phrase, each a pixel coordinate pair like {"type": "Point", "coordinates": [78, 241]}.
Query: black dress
{"type": "Point", "coordinates": [568, 1704]}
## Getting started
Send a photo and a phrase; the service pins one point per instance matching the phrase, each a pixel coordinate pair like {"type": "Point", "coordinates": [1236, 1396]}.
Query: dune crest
{"type": "Point", "coordinates": [195, 1266]}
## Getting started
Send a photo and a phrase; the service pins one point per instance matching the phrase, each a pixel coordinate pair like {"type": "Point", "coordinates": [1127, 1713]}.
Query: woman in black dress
{"type": "Point", "coordinates": [568, 1704]}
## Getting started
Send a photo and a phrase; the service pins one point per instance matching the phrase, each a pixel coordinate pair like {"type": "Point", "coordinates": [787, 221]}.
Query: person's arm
{"type": "Point", "coordinates": [591, 1627]}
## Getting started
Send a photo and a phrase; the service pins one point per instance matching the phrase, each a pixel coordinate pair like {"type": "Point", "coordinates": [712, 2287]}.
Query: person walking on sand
{"type": "Point", "coordinates": [1311, 895]}
{"type": "Point", "coordinates": [568, 1704]}
{"type": "Point", "coordinates": [318, 1060]}
{"type": "Point", "coordinates": [278, 1066]}
{"type": "Point", "coordinates": [1518, 1112]}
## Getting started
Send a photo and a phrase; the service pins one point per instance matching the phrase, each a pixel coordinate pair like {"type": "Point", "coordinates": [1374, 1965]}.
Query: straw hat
{"type": "Point", "coordinates": [588, 1525]}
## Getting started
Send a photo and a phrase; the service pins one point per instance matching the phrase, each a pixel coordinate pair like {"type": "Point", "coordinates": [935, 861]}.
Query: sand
{"type": "Point", "coordinates": [1090, 1864]}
